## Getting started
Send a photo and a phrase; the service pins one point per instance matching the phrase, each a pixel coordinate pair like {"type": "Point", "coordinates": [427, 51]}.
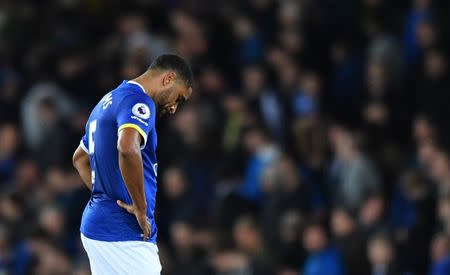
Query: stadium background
{"type": "Point", "coordinates": [315, 141]}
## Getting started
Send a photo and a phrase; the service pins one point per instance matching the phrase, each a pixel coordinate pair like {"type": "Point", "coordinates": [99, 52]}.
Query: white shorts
{"type": "Point", "coordinates": [129, 257]}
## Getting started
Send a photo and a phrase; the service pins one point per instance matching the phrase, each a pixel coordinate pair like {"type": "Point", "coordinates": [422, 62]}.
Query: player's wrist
{"type": "Point", "coordinates": [140, 212]}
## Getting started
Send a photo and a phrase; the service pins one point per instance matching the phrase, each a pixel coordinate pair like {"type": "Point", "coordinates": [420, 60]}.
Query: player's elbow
{"type": "Point", "coordinates": [79, 158]}
{"type": "Point", "coordinates": [76, 160]}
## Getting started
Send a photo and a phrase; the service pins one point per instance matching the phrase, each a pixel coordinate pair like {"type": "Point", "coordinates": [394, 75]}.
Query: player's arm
{"type": "Point", "coordinates": [131, 167]}
{"type": "Point", "coordinates": [80, 161]}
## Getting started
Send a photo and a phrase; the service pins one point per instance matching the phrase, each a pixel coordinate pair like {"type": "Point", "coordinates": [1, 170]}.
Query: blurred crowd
{"type": "Point", "coordinates": [314, 144]}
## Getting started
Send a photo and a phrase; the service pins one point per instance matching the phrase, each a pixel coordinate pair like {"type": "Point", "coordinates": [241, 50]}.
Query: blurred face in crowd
{"type": "Point", "coordinates": [211, 81]}
{"type": "Point", "coordinates": [51, 220]}
{"type": "Point", "coordinates": [289, 173]}
{"type": "Point", "coordinates": [253, 80]}
{"type": "Point", "coordinates": [56, 180]}
{"type": "Point", "coordinates": [435, 64]}
{"type": "Point", "coordinates": [129, 24]}
{"type": "Point", "coordinates": [444, 209]}
{"type": "Point", "coordinates": [380, 251]}
{"type": "Point", "coordinates": [48, 113]}
{"type": "Point", "coordinates": [9, 89]}
{"type": "Point", "coordinates": [425, 34]}
{"type": "Point", "coordinates": [422, 130]}
{"type": "Point", "coordinates": [413, 186]}
{"type": "Point", "coordinates": [372, 3]}
{"type": "Point", "coordinates": [376, 79]}
{"type": "Point", "coordinates": [440, 247]}
{"type": "Point", "coordinates": [290, 223]}
{"type": "Point", "coordinates": [70, 66]}
{"type": "Point", "coordinates": [181, 234]}
{"type": "Point", "coordinates": [187, 123]}
{"type": "Point", "coordinates": [3, 238]}
{"type": "Point", "coordinates": [51, 261]}
{"type": "Point", "coordinates": [427, 153]}
{"type": "Point", "coordinates": [372, 210]}
{"type": "Point", "coordinates": [253, 141]}
{"type": "Point", "coordinates": [288, 75]}
{"type": "Point", "coordinates": [246, 235]}
{"type": "Point", "coordinates": [10, 210]}
{"type": "Point", "coordinates": [421, 4]}
{"type": "Point", "coordinates": [310, 84]}
{"type": "Point", "coordinates": [338, 52]}
{"type": "Point", "coordinates": [289, 13]}
{"type": "Point", "coordinates": [282, 174]}
{"type": "Point", "coordinates": [243, 28]}
{"type": "Point", "coordinates": [174, 183]}
{"type": "Point", "coordinates": [345, 147]}
{"type": "Point", "coordinates": [342, 223]}
{"type": "Point", "coordinates": [334, 134]}
{"type": "Point", "coordinates": [440, 169]}
{"type": "Point", "coordinates": [130, 70]}
{"type": "Point", "coordinates": [8, 140]}
{"type": "Point", "coordinates": [314, 238]}
{"type": "Point", "coordinates": [291, 41]}
{"type": "Point", "coordinates": [27, 174]}
{"type": "Point", "coordinates": [234, 104]}
{"type": "Point", "coordinates": [190, 40]}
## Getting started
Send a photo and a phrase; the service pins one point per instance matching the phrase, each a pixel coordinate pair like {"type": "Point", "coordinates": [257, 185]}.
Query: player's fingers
{"type": "Point", "coordinates": [146, 233]}
{"type": "Point", "coordinates": [145, 226]}
{"type": "Point", "coordinates": [125, 206]}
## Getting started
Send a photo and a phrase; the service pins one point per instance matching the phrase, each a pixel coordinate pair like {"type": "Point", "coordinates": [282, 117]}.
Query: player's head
{"type": "Point", "coordinates": [174, 82]}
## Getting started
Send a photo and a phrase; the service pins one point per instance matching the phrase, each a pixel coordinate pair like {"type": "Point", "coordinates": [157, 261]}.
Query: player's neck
{"type": "Point", "coordinates": [146, 83]}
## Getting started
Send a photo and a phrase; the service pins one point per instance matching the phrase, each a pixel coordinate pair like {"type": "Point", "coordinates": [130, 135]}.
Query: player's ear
{"type": "Point", "coordinates": [169, 78]}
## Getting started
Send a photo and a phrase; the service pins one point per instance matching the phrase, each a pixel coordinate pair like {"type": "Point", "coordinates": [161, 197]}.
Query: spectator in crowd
{"type": "Point", "coordinates": [304, 113]}
{"type": "Point", "coordinates": [187, 256]}
{"type": "Point", "coordinates": [381, 256]}
{"type": "Point", "coordinates": [435, 80]}
{"type": "Point", "coordinates": [9, 143]}
{"type": "Point", "coordinates": [286, 190]}
{"type": "Point", "coordinates": [248, 240]}
{"type": "Point", "coordinates": [287, 249]}
{"type": "Point", "coordinates": [4, 246]}
{"type": "Point", "coordinates": [443, 213]}
{"type": "Point", "coordinates": [440, 255]}
{"type": "Point", "coordinates": [323, 257]}
{"type": "Point", "coordinates": [372, 215]}
{"type": "Point", "coordinates": [262, 153]}
{"type": "Point", "coordinates": [179, 205]}
{"type": "Point", "coordinates": [350, 241]}
{"type": "Point", "coordinates": [263, 100]}
{"type": "Point", "coordinates": [412, 219]}
{"type": "Point", "coordinates": [440, 172]}
{"type": "Point", "coordinates": [357, 177]}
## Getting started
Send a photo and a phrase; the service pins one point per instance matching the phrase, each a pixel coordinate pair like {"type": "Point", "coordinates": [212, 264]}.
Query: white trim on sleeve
{"type": "Point", "coordinates": [84, 147]}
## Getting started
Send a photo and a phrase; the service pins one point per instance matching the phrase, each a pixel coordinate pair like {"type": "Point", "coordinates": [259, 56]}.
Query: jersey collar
{"type": "Point", "coordinates": [135, 83]}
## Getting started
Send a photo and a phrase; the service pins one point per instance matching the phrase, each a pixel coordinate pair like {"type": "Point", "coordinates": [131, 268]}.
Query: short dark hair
{"type": "Point", "coordinates": [175, 63]}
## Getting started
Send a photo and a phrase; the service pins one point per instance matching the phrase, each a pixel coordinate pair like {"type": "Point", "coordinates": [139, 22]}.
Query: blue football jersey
{"type": "Point", "coordinates": [126, 106]}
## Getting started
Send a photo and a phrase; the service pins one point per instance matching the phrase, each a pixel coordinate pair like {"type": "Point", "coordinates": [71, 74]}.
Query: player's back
{"type": "Point", "coordinates": [125, 106]}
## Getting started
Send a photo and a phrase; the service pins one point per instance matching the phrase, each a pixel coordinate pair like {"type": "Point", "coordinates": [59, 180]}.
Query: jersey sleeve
{"type": "Point", "coordinates": [137, 112]}
{"type": "Point", "coordinates": [84, 143]}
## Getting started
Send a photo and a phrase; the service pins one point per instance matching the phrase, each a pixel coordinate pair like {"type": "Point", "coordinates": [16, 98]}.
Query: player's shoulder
{"type": "Point", "coordinates": [133, 96]}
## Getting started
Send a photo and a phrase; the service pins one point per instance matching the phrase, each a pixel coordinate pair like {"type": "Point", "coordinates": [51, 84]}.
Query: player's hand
{"type": "Point", "coordinates": [141, 218]}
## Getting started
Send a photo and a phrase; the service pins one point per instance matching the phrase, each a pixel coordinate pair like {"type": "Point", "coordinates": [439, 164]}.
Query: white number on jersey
{"type": "Point", "coordinates": [92, 129]}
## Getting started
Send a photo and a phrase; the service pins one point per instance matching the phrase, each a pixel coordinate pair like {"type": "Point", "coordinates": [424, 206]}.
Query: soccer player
{"type": "Point", "coordinates": [116, 160]}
